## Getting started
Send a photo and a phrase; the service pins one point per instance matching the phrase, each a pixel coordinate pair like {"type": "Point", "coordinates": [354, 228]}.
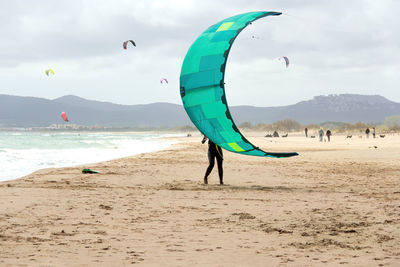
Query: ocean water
{"type": "Point", "coordinates": [22, 153]}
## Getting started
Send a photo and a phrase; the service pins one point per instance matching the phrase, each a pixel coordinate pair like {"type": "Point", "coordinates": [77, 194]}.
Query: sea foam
{"type": "Point", "coordinates": [24, 153]}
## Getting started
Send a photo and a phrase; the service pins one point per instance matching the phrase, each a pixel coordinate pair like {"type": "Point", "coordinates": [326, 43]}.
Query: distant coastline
{"type": "Point", "coordinates": [27, 112]}
{"type": "Point", "coordinates": [84, 128]}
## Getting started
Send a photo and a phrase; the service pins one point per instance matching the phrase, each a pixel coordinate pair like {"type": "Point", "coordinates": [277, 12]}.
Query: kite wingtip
{"type": "Point", "coordinates": [276, 13]}
{"type": "Point", "coordinates": [292, 154]}
{"type": "Point", "coordinates": [288, 155]}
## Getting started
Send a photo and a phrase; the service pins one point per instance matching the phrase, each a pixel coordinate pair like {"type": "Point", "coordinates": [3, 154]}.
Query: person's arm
{"type": "Point", "coordinates": [204, 139]}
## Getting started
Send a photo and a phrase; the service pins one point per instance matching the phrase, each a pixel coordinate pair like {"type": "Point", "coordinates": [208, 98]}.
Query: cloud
{"type": "Point", "coordinates": [334, 46]}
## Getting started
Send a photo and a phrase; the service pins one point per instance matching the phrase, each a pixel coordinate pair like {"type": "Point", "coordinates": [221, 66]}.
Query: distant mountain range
{"type": "Point", "coordinates": [17, 111]}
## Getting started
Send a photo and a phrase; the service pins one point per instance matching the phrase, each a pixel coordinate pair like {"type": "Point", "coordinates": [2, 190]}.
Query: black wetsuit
{"type": "Point", "coordinates": [214, 152]}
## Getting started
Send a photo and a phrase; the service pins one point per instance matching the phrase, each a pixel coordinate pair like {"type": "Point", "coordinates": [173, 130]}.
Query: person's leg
{"type": "Point", "coordinates": [211, 160]}
{"type": "Point", "coordinates": [220, 170]}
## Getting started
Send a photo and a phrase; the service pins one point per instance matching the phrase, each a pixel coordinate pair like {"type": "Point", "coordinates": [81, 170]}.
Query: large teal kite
{"type": "Point", "coordinates": [202, 85]}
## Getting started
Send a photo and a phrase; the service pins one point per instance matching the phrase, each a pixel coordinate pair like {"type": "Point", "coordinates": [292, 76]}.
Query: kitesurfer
{"type": "Point", "coordinates": [214, 152]}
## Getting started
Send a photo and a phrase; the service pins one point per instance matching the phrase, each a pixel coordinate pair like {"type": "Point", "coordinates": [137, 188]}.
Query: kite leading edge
{"type": "Point", "coordinates": [202, 86]}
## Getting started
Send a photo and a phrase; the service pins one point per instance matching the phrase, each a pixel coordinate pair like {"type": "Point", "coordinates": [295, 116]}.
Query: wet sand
{"type": "Point", "coordinates": [337, 203]}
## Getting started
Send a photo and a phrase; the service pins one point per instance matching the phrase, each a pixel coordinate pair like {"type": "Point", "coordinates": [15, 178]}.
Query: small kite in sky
{"type": "Point", "coordinates": [286, 61]}
{"type": "Point", "coordinates": [48, 71]}
{"type": "Point", "coordinates": [64, 116]}
{"type": "Point", "coordinates": [163, 79]}
{"type": "Point", "coordinates": [125, 44]}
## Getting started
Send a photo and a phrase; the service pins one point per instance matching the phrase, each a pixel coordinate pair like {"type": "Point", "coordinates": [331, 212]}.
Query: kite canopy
{"type": "Point", "coordinates": [64, 116]}
{"type": "Point", "coordinates": [48, 71]}
{"type": "Point", "coordinates": [202, 86]}
{"type": "Point", "coordinates": [125, 44]}
{"type": "Point", "coordinates": [164, 80]}
{"type": "Point", "coordinates": [286, 61]}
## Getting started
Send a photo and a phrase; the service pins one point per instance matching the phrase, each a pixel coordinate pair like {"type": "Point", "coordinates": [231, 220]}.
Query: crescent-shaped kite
{"type": "Point", "coordinates": [48, 71]}
{"type": "Point", "coordinates": [286, 61]}
{"type": "Point", "coordinates": [202, 86]}
{"type": "Point", "coordinates": [125, 44]}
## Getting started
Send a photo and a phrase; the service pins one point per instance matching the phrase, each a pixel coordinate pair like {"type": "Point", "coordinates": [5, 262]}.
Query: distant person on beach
{"type": "Point", "coordinates": [305, 131]}
{"type": "Point", "coordinates": [321, 134]}
{"type": "Point", "coordinates": [328, 134]}
{"type": "Point", "coordinates": [367, 133]}
{"type": "Point", "coordinates": [373, 132]}
{"type": "Point", "coordinates": [214, 152]}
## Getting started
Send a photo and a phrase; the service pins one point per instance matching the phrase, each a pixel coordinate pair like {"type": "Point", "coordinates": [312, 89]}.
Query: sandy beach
{"type": "Point", "coordinates": [337, 203]}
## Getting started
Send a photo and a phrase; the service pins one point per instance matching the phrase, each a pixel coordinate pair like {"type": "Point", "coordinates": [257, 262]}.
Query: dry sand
{"type": "Point", "coordinates": [337, 203]}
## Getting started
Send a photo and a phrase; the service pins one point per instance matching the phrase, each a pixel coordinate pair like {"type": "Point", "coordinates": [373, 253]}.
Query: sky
{"type": "Point", "coordinates": [334, 47]}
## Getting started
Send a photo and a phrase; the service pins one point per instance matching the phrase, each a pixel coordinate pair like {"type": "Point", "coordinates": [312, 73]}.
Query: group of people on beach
{"type": "Point", "coordinates": [329, 133]}
{"type": "Point", "coordinates": [320, 134]}
{"type": "Point", "coordinates": [367, 131]}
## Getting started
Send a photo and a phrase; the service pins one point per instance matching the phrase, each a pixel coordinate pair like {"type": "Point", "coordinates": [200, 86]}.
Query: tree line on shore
{"type": "Point", "coordinates": [391, 124]}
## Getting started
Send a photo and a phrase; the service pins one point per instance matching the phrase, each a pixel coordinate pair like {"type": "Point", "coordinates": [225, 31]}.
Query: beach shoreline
{"type": "Point", "coordinates": [336, 203]}
{"type": "Point", "coordinates": [65, 149]}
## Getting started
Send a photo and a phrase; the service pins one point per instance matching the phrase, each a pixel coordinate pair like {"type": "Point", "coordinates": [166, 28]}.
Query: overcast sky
{"type": "Point", "coordinates": [334, 46]}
